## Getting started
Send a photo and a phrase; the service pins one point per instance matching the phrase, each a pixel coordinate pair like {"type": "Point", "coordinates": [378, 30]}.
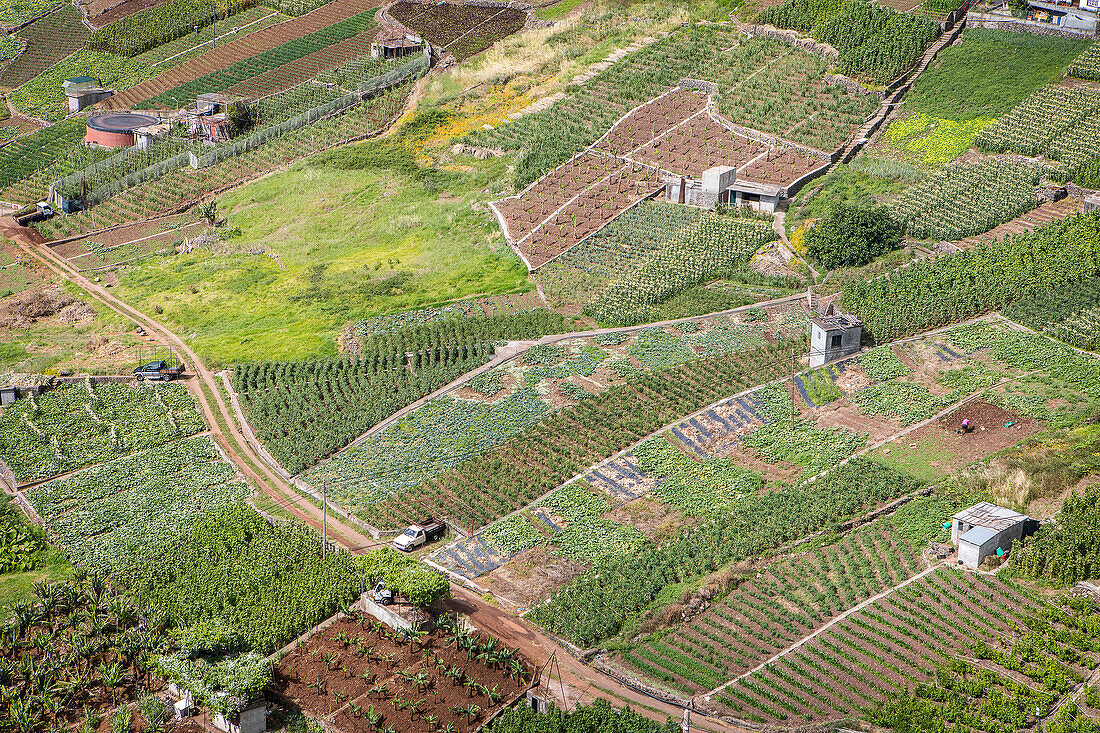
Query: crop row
{"type": "Point", "coordinates": [378, 478]}
{"type": "Point", "coordinates": [463, 29]}
{"type": "Point", "coordinates": [1058, 122]}
{"type": "Point", "coordinates": [943, 290]}
{"type": "Point", "coordinates": [542, 457]}
{"type": "Point", "coordinates": [17, 12]}
{"type": "Point", "coordinates": [43, 97]}
{"type": "Point", "coordinates": [74, 426]}
{"type": "Point", "coordinates": [304, 411]}
{"type": "Point", "coordinates": [909, 643]}
{"type": "Point", "coordinates": [963, 200]}
{"type": "Point", "coordinates": [783, 603]}
{"type": "Point", "coordinates": [1067, 314]}
{"type": "Point", "coordinates": [1031, 126]}
{"type": "Point", "coordinates": [1087, 65]}
{"type": "Point", "coordinates": [247, 68]}
{"type": "Point", "coordinates": [49, 40]}
{"type": "Point", "coordinates": [122, 513]}
{"type": "Point", "coordinates": [597, 604]}
{"type": "Point", "coordinates": [551, 137]}
{"type": "Point", "coordinates": [157, 25]}
{"type": "Point", "coordinates": [790, 98]}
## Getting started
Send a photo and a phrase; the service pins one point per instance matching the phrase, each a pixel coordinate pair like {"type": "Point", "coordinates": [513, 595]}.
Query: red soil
{"type": "Point", "coordinates": [337, 676]}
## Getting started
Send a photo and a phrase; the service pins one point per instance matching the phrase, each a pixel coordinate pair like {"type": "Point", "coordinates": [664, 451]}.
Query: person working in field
{"type": "Point", "coordinates": [965, 428]}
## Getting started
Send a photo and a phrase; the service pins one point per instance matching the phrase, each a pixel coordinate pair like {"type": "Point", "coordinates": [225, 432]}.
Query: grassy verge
{"type": "Point", "coordinates": [341, 238]}
{"type": "Point", "coordinates": [844, 185]}
{"type": "Point", "coordinates": [19, 587]}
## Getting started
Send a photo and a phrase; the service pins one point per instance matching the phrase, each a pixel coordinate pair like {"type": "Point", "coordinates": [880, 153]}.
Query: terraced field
{"type": "Point", "coordinates": [775, 608]}
{"type": "Point", "coordinates": [305, 68]}
{"type": "Point", "coordinates": [889, 647]}
{"type": "Point", "coordinates": [240, 50]}
{"type": "Point", "coordinates": [49, 40]}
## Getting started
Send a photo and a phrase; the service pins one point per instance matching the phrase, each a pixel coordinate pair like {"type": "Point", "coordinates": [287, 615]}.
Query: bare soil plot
{"type": "Point", "coordinates": [698, 144]}
{"type": "Point", "coordinates": [656, 117]}
{"type": "Point", "coordinates": [942, 449]}
{"type": "Point", "coordinates": [356, 669]}
{"type": "Point", "coordinates": [125, 243]}
{"type": "Point", "coordinates": [532, 577]}
{"type": "Point", "coordinates": [780, 166]}
{"type": "Point", "coordinates": [571, 202]}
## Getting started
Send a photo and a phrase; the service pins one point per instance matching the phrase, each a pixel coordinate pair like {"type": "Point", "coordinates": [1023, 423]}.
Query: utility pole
{"type": "Point", "coordinates": [794, 403]}
{"type": "Point", "coordinates": [324, 517]}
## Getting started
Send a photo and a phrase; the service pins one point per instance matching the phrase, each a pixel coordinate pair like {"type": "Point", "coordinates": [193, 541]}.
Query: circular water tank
{"type": "Point", "coordinates": [115, 129]}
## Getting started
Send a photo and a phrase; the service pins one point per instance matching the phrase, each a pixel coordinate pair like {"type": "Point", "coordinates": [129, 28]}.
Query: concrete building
{"type": "Point", "coordinates": [833, 335]}
{"type": "Point", "coordinates": [83, 92]}
{"type": "Point", "coordinates": [984, 528]}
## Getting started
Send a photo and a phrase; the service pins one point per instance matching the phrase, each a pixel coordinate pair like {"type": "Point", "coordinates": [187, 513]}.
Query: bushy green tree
{"type": "Point", "coordinates": [850, 236]}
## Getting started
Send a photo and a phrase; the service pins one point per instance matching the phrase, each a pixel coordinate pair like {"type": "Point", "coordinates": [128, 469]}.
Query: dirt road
{"type": "Point", "coordinates": [570, 681]}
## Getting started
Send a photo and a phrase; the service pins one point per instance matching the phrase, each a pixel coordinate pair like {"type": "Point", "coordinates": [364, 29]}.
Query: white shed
{"type": "Point", "coordinates": [984, 528]}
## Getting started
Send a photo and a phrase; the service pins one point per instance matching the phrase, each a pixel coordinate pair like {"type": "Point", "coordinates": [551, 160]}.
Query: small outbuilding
{"type": "Point", "coordinates": [833, 334]}
{"type": "Point", "coordinates": [984, 528]}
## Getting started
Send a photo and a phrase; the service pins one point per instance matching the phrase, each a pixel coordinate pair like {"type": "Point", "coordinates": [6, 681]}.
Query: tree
{"type": "Point", "coordinates": [850, 236]}
{"type": "Point", "coordinates": [242, 116]}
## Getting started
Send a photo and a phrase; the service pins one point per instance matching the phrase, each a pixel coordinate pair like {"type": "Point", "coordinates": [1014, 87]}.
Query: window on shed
{"type": "Point", "coordinates": [837, 338]}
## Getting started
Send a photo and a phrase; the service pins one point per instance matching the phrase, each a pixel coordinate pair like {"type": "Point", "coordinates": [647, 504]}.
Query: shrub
{"type": "Point", "coordinates": [850, 236]}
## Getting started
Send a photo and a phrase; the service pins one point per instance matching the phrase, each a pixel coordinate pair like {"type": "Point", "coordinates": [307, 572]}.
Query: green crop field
{"type": "Point", "coordinates": [971, 84]}
{"type": "Point", "coordinates": [631, 447]}
{"type": "Point", "coordinates": [42, 97]}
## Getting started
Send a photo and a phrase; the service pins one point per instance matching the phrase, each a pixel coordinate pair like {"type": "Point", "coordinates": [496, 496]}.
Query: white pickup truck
{"type": "Point", "coordinates": [419, 534]}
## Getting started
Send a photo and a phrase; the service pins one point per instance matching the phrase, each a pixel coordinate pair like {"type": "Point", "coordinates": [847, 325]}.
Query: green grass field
{"type": "Point", "coordinates": [19, 587]}
{"type": "Point", "coordinates": [968, 86]}
{"type": "Point", "coordinates": [337, 245]}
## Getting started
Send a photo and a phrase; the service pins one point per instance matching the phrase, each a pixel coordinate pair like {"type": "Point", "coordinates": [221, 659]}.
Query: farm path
{"type": "Point", "coordinates": [569, 680]}
{"type": "Point", "coordinates": [205, 389]}
{"type": "Point", "coordinates": [891, 103]}
{"type": "Point", "coordinates": [516, 348]}
{"type": "Point", "coordinates": [814, 634]}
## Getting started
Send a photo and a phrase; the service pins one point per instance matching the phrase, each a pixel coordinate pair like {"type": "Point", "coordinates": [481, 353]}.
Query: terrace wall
{"type": "Point", "coordinates": [793, 38]}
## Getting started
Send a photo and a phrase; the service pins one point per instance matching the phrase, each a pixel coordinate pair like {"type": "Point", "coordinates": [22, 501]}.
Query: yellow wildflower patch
{"type": "Point", "coordinates": [935, 140]}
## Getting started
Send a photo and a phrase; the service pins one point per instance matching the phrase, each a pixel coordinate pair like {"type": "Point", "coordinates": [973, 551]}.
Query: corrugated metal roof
{"type": "Point", "coordinates": [978, 536]}
{"type": "Point", "coordinates": [985, 514]}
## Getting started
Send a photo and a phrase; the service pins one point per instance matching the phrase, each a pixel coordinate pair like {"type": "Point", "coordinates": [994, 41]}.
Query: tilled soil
{"type": "Point", "coordinates": [990, 423]}
{"type": "Point", "coordinates": [348, 671]}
